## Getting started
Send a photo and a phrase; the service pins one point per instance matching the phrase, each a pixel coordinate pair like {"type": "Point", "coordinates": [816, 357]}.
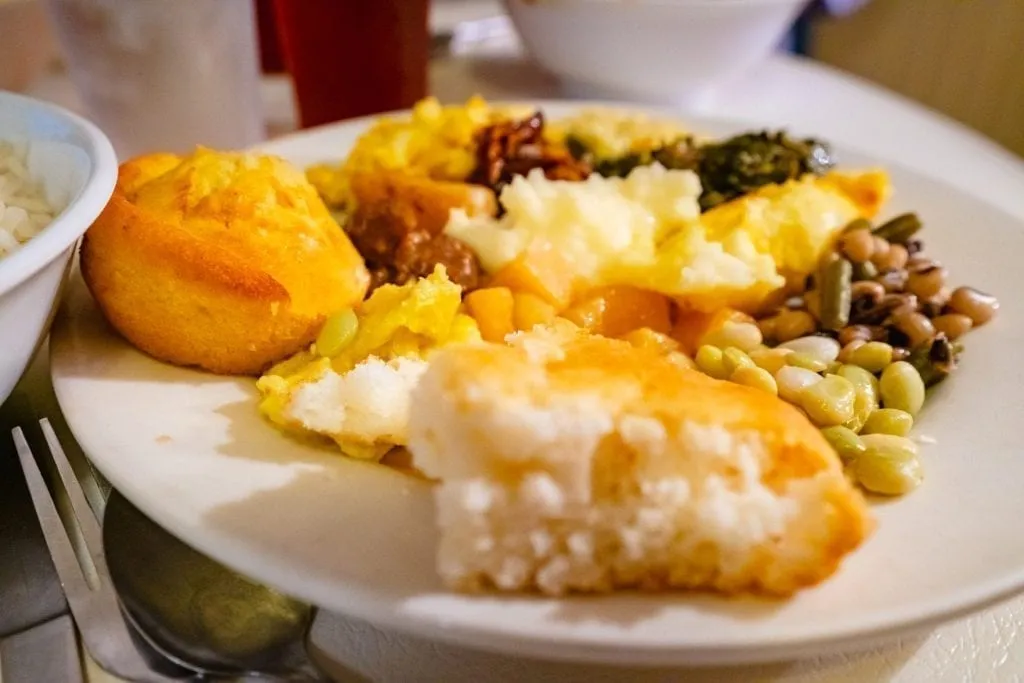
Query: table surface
{"type": "Point", "coordinates": [785, 91]}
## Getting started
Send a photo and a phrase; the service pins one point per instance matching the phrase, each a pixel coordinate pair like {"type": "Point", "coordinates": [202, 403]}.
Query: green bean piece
{"type": "Point", "coordinates": [901, 387]}
{"type": "Point", "coordinates": [900, 229]}
{"type": "Point", "coordinates": [836, 280]}
{"type": "Point", "coordinates": [889, 421]}
{"type": "Point", "coordinates": [844, 442]}
{"type": "Point", "coordinates": [865, 271]}
{"type": "Point", "coordinates": [856, 224]}
{"type": "Point", "coordinates": [935, 360]}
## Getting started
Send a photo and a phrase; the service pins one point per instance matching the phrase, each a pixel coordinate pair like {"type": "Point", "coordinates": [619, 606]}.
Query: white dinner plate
{"type": "Point", "coordinates": [190, 450]}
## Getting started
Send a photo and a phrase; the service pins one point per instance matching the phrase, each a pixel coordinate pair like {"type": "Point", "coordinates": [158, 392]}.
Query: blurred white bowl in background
{"type": "Point", "coordinates": [75, 163]}
{"type": "Point", "coordinates": [27, 45]}
{"type": "Point", "coordinates": [663, 51]}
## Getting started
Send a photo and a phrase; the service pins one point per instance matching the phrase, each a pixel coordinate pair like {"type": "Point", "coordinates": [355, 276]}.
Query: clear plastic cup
{"type": "Point", "coordinates": [165, 75]}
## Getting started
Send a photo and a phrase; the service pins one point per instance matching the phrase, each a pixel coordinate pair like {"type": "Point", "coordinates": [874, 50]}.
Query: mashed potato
{"type": "Point", "coordinates": [643, 230]}
{"type": "Point", "coordinates": [646, 231]}
{"type": "Point", "coordinates": [597, 223]}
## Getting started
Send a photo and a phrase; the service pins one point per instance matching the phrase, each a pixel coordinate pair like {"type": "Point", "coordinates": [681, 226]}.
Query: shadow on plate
{"type": "Point", "coordinates": [249, 431]}
{"type": "Point", "coordinates": [80, 324]}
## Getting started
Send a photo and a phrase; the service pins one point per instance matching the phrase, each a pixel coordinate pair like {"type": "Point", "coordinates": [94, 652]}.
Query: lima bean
{"type": "Point", "coordinates": [902, 388]}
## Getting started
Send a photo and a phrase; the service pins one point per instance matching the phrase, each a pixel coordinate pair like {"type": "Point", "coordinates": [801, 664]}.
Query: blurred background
{"type": "Point", "coordinates": [964, 59]}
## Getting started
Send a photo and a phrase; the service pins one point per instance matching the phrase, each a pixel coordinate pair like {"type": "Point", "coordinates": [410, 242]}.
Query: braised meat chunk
{"type": "Point", "coordinates": [397, 252]}
{"type": "Point", "coordinates": [398, 227]}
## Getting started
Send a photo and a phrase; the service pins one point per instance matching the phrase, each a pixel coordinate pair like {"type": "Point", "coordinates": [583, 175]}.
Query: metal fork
{"type": "Point", "coordinates": [86, 579]}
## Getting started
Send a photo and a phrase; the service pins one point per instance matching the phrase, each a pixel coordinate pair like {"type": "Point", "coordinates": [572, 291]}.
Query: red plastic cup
{"type": "Point", "coordinates": [352, 58]}
{"type": "Point", "coordinates": [271, 60]}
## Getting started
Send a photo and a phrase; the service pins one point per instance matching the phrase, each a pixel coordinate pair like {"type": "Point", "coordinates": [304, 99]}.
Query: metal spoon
{"type": "Point", "coordinates": [197, 613]}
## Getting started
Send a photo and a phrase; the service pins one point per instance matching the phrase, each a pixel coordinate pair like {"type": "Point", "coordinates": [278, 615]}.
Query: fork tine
{"type": "Point", "coordinates": [64, 559]}
{"type": "Point", "coordinates": [94, 605]}
{"type": "Point", "coordinates": [88, 524]}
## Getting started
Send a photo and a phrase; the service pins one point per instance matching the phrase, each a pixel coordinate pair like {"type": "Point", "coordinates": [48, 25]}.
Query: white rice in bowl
{"type": "Point", "coordinates": [24, 209]}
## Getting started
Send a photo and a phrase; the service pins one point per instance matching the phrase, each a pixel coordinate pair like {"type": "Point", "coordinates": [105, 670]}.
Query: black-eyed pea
{"type": "Point", "coordinates": [793, 325]}
{"type": "Point", "coordinates": [894, 259]}
{"type": "Point", "coordinates": [927, 282]}
{"type": "Point", "coordinates": [953, 325]}
{"type": "Point", "coordinates": [881, 249]}
{"type": "Point", "coordinates": [849, 348]}
{"type": "Point", "coordinates": [918, 328]}
{"type": "Point", "coordinates": [858, 245]}
{"type": "Point", "coordinates": [976, 305]}
{"type": "Point", "coordinates": [852, 333]}
{"type": "Point", "coordinates": [867, 289]}
{"type": "Point", "coordinates": [893, 279]}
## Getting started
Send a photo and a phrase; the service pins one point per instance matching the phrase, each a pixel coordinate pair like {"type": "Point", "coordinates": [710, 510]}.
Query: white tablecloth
{"type": "Point", "coordinates": [810, 99]}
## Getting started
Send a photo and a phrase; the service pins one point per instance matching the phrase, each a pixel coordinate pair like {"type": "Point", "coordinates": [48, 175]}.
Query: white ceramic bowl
{"type": "Point", "coordinates": [27, 44]}
{"type": "Point", "coordinates": [663, 51]}
{"type": "Point", "coordinates": [76, 165]}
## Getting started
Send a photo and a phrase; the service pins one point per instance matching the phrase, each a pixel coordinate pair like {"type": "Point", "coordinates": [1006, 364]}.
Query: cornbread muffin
{"type": "Point", "coordinates": [571, 462]}
{"type": "Point", "coordinates": [223, 261]}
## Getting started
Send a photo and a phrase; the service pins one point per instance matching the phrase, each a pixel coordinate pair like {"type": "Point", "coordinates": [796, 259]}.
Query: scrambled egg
{"type": "Point", "coordinates": [795, 221]}
{"type": "Point", "coordinates": [436, 141]}
{"type": "Point", "coordinates": [646, 231]}
{"type": "Point", "coordinates": [360, 396]}
{"type": "Point", "coordinates": [611, 132]}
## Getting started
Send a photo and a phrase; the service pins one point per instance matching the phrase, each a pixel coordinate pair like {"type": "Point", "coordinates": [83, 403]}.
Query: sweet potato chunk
{"type": "Point", "coordinates": [617, 310]}
{"type": "Point", "coordinates": [542, 271]}
{"type": "Point", "coordinates": [492, 308]}
{"type": "Point", "coordinates": [531, 310]}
